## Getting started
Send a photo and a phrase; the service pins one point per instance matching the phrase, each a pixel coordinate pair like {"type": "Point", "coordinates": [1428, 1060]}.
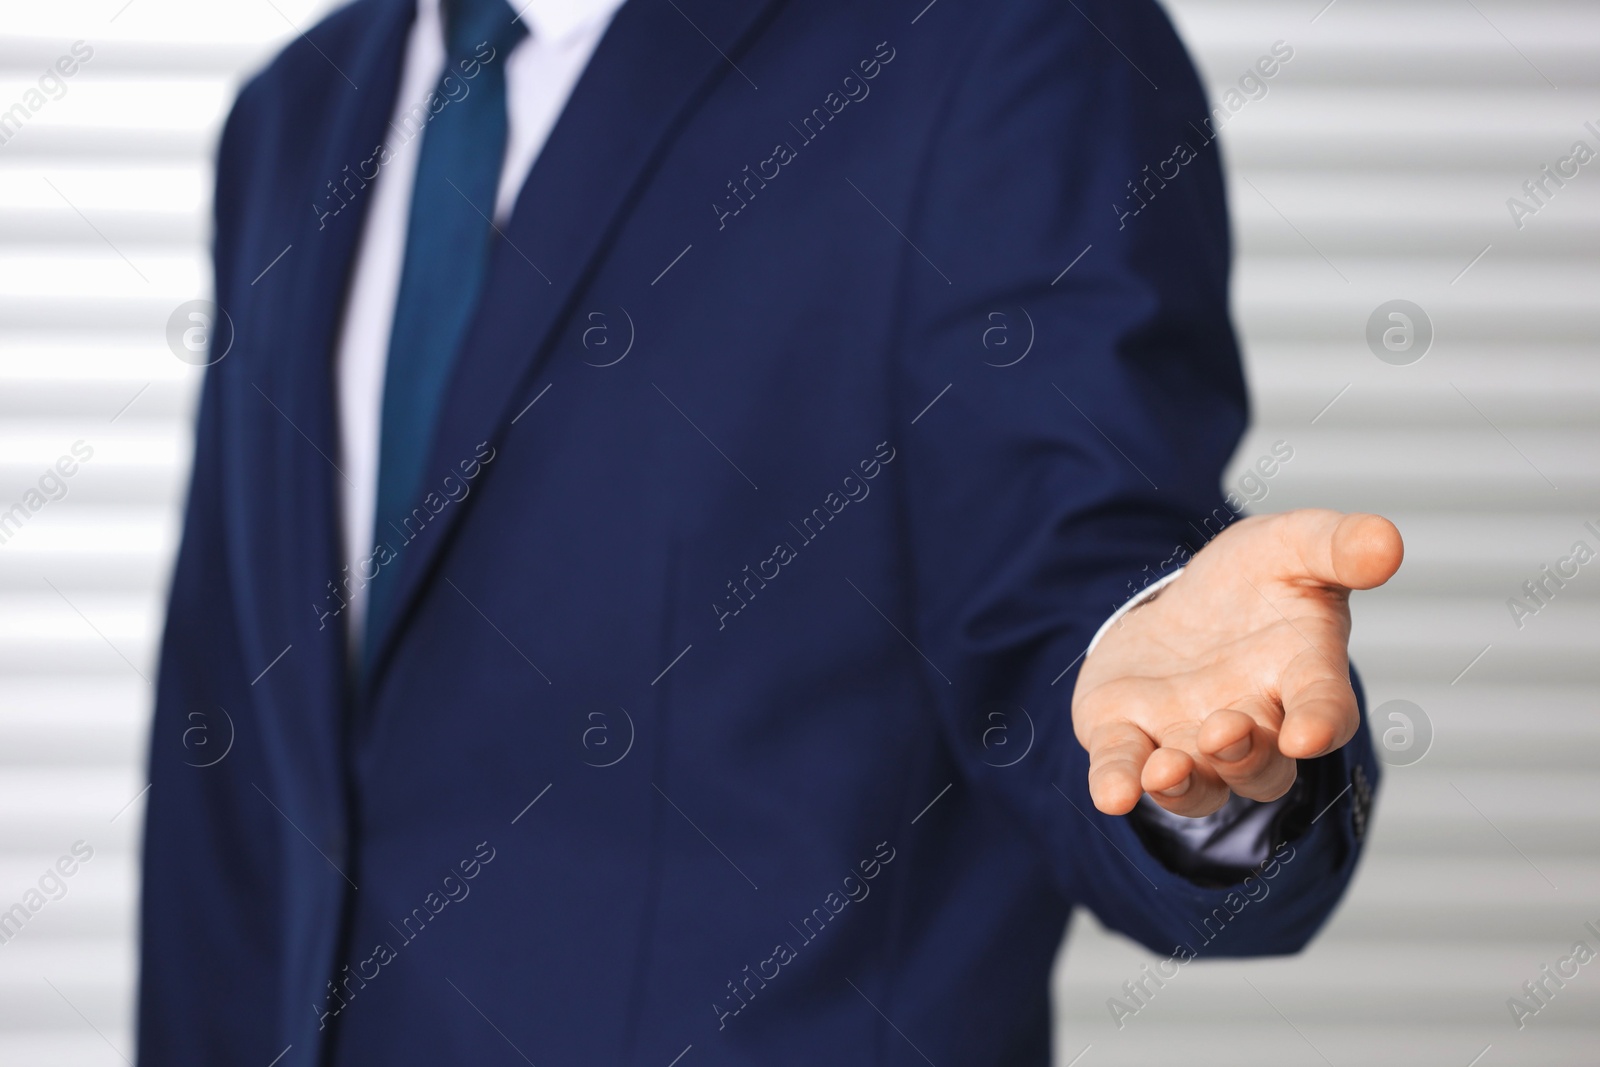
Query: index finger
{"type": "Point", "coordinates": [1320, 714]}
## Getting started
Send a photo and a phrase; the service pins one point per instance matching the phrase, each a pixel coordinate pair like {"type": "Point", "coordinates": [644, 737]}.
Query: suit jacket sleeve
{"type": "Point", "coordinates": [1066, 276]}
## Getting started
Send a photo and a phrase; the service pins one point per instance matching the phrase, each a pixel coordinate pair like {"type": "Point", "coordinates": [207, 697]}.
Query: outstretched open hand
{"type": "Point", "coordinates": [1237, 669]}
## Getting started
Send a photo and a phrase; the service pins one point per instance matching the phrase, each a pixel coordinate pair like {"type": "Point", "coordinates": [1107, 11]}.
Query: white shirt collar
{"type": "Point", "coordinates": [550, 21]}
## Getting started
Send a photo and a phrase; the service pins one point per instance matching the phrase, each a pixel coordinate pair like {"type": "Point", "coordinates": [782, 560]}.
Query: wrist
{"type": "Point", "coordinates": [1138, 600]}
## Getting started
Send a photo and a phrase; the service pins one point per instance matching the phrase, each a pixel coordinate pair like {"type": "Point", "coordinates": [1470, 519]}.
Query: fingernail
{"type": "Point", "coordinates": [1236, 751]}
{"type": "Point", "coordinates": [1177, 790]}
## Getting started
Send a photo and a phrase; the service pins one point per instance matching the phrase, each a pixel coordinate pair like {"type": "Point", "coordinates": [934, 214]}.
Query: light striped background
{"type": "Point", "coordinates": [1377, 167]}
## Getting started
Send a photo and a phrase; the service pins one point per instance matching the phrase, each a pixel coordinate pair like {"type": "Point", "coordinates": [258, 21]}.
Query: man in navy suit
{"type": "Point", "coordinates": [673, 547]}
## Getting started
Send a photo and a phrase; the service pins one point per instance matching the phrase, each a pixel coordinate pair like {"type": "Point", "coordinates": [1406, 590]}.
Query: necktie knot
{"type": "Point", "coordinates": [469, 24]}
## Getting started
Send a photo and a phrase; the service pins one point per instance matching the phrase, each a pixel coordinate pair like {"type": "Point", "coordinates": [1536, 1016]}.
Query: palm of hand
{"type": "Point", "coordinates": [1236, 670]}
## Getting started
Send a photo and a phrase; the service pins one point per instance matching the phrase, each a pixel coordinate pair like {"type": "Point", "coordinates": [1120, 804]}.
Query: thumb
{"type": "Point", "coordinates": [1367, 551]}
{"type": "Point", "coordinates": [1354, 551]}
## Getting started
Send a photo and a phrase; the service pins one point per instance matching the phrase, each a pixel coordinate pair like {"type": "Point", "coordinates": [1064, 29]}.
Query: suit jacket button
{"type": "Point", "coordinates": [1361, 801]}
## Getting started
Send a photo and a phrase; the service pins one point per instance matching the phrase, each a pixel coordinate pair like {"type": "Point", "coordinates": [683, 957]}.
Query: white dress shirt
{"type": "Point", "coordinates": [541, 72]}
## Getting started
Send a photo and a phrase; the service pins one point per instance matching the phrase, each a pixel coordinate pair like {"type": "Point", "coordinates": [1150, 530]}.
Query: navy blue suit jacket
{"type": "Point", "coordinates": [804, 436]}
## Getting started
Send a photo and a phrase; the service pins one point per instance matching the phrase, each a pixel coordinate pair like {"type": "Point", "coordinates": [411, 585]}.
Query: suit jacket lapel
{"type": "Point", "coordinates": [649, 73]}
{"type": "Point", "coordinates": [283, 493]}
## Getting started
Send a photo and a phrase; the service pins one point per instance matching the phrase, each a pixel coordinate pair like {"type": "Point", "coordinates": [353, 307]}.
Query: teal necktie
{"type": "Point", "coordinates": [448, 240]}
